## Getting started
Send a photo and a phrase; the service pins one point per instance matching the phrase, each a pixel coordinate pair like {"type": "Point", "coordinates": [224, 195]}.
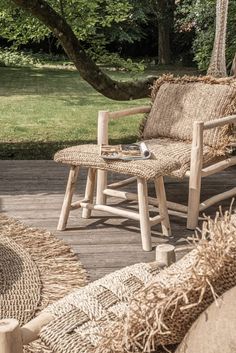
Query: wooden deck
{"type": "Point", "coordinates": [32, 191]}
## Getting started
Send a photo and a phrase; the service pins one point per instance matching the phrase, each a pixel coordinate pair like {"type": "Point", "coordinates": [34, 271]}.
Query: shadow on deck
{"type": "Point", "coordinates": [33, 192]}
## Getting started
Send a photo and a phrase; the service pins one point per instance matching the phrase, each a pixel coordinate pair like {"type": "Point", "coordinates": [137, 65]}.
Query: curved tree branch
{"type": "Point", "coordinates": [85, 65]}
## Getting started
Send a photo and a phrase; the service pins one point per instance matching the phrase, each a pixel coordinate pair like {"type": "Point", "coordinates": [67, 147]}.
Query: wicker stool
{"type": "Point", "coordinates": [142, 197]}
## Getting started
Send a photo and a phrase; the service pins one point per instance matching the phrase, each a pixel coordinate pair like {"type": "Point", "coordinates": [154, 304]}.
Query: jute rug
{"type": "Point", "coordinates": [36, 269]}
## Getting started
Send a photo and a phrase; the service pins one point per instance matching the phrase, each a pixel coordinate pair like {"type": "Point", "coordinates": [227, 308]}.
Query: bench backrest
{"type": "Point", "coordinates": [178, 102]}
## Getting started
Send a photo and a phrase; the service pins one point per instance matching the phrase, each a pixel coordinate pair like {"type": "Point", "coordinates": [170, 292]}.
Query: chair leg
{"type": "Point", "coordinates": [10, 336]}
{"type": "Point", "coordinates": [195, 175]}
{"type": "Point", "coordinates": [65, 210]}
{"type": "Point", "coordinates": [161, 197]}
{"type": "Point", "coordinates": [101, 185]}
{"type": "Point", "coordinates": [89, 191]}
{"type": "Point", "coordinates": [193, 202]}
{"type": "Point", "coordinates": [144, 214]}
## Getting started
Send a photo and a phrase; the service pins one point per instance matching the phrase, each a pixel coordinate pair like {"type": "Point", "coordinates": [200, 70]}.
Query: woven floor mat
{"type": "Point", "coordinates": [20, 284]}
{"type": "Point", "coordinates": [36, 269]}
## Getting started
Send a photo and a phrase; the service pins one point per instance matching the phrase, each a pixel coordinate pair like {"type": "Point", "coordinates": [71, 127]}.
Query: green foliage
{"type": "Point", "coordinates": [15, 58]}
{"type": "Point", "coordinates": [94, 20]}
{"type": "Point", "coordinates": [231, 38]}
{"type": "Point", "coordinates": [114, 60]}
{"type": "Point", "coordinates": [18, 27]}
{"type": "Point", "coordinates": [97, 23]}
{"type": "Point", "coordinates": [202, 48]}
{"type": "Point", "coordinates": [199, 17]}
{"type": "Point", "coordinates": [10, 57]}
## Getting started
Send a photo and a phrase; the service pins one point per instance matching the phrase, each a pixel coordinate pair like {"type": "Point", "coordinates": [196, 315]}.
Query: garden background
{"type": "Point", "coordinates": [47, 105]}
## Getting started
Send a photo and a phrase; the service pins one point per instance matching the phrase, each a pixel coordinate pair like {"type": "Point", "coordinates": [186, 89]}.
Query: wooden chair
{"type": "Point", "coordinates": [198, 168]}
{"type": "Point", "coordinates": [104, 190]}
{"type": "Point", "coordinates": [188, 130]}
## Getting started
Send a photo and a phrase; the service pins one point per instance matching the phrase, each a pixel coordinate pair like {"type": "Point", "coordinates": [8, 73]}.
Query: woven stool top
{"type": "Point", "coordinates": [20, 284]}
{"type": "Point", "coordinates": [169, 157]}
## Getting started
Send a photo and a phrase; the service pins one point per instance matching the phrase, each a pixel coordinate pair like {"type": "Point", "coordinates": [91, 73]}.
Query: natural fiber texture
{"type": "Point", "coordinates": [162, 313]}
{"type": "Point", "coordinates": [139, 308]}
{"type": "Point", "coordinates": [20, 285]}
{"type": "Point", "coordinates": [76, 327]}
{"type": "Point", "coordinates": [178, 102]}
{"type": "Point", "coordinates": [169, 157]}
{"type": "Point", "coordinates": [59, 269]}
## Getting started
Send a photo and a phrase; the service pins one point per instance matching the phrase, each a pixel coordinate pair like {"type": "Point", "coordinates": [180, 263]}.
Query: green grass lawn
{"type": "Point", "coordinates": [45, 109]}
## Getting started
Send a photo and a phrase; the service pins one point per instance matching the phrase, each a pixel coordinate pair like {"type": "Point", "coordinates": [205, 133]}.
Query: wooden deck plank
{"type": "Point", "coordinates": [32, 191]}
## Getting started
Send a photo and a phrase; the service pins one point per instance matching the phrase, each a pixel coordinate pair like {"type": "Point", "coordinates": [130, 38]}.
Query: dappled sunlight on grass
{"type": "Point", "coordinates": [41, 105]}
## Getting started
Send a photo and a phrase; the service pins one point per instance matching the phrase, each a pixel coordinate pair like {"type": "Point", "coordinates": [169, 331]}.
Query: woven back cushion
{"type": "Point", "coordinates": [177, 103]}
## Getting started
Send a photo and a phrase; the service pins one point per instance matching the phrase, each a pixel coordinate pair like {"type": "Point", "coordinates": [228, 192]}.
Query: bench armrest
{"type": "Point", "coordinates": [220, 122]}
{"type": "Point", "coordinates": [197, 146]}
{"type": "Point", "coordinates": [105, 116]}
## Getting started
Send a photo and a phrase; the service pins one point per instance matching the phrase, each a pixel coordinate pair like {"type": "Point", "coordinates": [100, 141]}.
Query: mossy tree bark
{"type": "Point", "coordinates": [87, 68]}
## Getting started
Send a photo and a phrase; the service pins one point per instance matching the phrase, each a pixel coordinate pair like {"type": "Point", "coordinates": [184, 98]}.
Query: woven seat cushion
{"type": "Point", "coordinates": [178, 102]}
{"type": "Point", "coordinates": [139, 308]}
{"type": "Point", "coordinates": [169, 157]}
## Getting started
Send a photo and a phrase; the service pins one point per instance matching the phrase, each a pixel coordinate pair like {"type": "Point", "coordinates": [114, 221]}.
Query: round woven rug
{"type": "Point", "coordinates": [20, 285]}
{"type": "Point", "coordinates": [36, 269]}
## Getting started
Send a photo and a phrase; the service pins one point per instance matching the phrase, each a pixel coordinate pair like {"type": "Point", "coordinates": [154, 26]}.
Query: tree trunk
{"type": "Point", "coordinates": [87, 68]}
{"type": "Point", "coordinates": [165, 19]}
{"type": "Point", "coordinates": [164, 56]}
{"type": "Point", "coordinates": [217, 66]}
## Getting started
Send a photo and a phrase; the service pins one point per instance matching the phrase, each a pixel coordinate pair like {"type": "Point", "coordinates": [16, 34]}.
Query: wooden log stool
{"type": "Point", "coordinates": [88, 203]}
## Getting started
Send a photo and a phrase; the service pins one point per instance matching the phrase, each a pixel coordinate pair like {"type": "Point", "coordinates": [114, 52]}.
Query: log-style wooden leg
{"type": "Point", "coordinates": [101, 186]}
{"type": "Point", "coordinates": [89, 191]}
{"type": "Point", "coordinates": [165, 254]}
{"type": "Point", "coordinates": [10, 336]}
{"type": "Point", "coordinates": [193, 203]}
{"type": "Point", "coordinates": [31, 330]}
{"type": "Point", "coordinates": [103, 119]}
{"type": "Point", "coordinates": [195, 176]}
{"type": "Point", "coordinates": [144, 214]}
{"type": "Point", "coordinates": [65, 210]}
{"type": "Point", "coordinates": [161, 198]}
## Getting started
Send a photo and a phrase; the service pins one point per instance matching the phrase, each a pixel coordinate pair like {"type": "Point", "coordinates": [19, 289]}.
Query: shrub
{"type": "Point", "coordinates": [114, 60]}
{"type": "Point", "coordinates": [10, 57]}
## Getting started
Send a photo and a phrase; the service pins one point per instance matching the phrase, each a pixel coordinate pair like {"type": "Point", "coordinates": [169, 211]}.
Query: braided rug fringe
{"type": "Point", "coordinates": [162, 313]}
{"type": "Point", "coordinates": [60, 271]}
